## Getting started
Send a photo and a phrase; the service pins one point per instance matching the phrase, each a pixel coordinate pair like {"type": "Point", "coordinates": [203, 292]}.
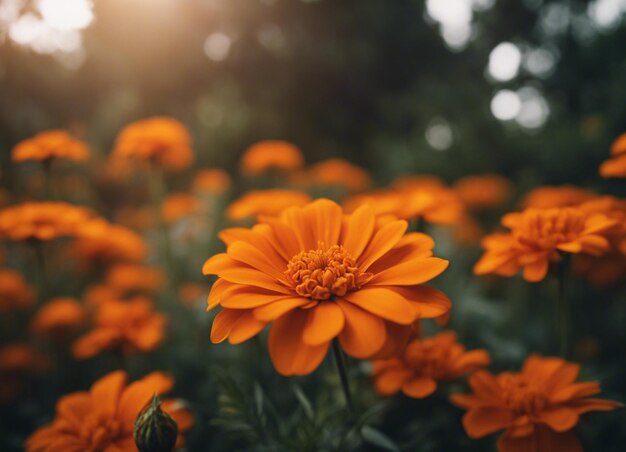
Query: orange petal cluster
{"type": "Point", "coordinates": [425, 362]}
{"type": "Point", "coordinates": [538, 407]}
{"type": "Point", "coordinates": [483, 191]}
{"type": "Point", "coordinates": [212, 181]}
{"type": "Point", "coordinates": [271, 155]}
{"type": "Point", "coordinates": [178, 206]}
{"type": "Point", "coordinates": [48, 145]}
{"type": "Point", "coordinates": [615, 167]}
{"type": "Point", "coordinates": [550, 196]}
{"type": "Point", "coordinates": [132, 278]}
{"type": "Point", "coordinates": [160, 140]}
{"type": "Point", "coordinates": [317, 274]}
{"type": "Point", "coordinates": [15, 293]}
{"type": "Point", "coordinates": [42, 220]}
{"type": "Point", "coordinates": [536, 238]}
{"type": "Point", "coordinates": [102, 242]}
{"type": "Point", "coordinates": [128, 326]}
{"type": "Point", "coordinates": [58, 318]}
{"type": "Point", "coordinates": [102, 419]}
{"type": "Point", "coordinates": [265, 202]}
{"type": "Point", "coordinates": [335, 173]}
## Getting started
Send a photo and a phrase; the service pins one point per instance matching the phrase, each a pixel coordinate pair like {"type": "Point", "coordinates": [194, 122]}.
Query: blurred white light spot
{"type": "Point", "coordinates": [455, 20]}
{"type": "Point", "coordinates": [439, 134]}
{"type": "Point", "coordinates": [539, 62]}
{"type": "Point", "coordinates": [10, 10]}
{"type": "Point", "coordinates": [217, 46]}
{"type": "Point", "coordinates": [66, 14]}
{"type": "Point", "coordinates": [272, 38]}
{"type": "Point", "coordinates": [554, 18]}
{"type": "Point", "coordinates": [534, 110]}
{"type": "Point", "coordinates": [456, 36]}
{"type": "Point", "coordinates": [26, 29]}
{"type": "Point", "coordinates": [606, 13]}
{"type": "Point", "coordinates": [482, 5]}
{"type": "Point", "coordinates": [504, 61]}
{"type": "Point", "coordinates": [505, 105]}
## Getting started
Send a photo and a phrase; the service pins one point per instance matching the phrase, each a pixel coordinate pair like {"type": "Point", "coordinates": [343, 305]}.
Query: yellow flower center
{"type": "Point", "coordinates": [523, 396]}
{"type": "Point", "coordinates": [319, 274]}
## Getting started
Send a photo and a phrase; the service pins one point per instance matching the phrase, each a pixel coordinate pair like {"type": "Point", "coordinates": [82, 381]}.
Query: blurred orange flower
{"type": "Point", "coordinates": [161, 140]}
{"type": "Point", "coordinates": [178, 206]}
{"type": "Point", "coordinates": [135, 217]}
{"type": "Point", "coordinates": [213, 181]}
{"type": "Point", "coordinates": [318, 274]}
{"type": "Point", "coordinates": [58, 318]}
{"type": "Point", "coordinates": [538, 407]}
{"type": "Point", "coordinates": [560, 196]}
{"type": "Point", "coordinates": [483, 191]}
{"type": "Point", "coordinates": [425, 362]}
{"type": "Point", "coordinates": [103, 418]}
{"type": "Point", "coordinates": [102, 242]}
{"type": "Point", "coordinates": [15, 293]}
{"type": "Point", "coordinates": [49, 145]}
{"type": "Point", "coordinates": [129, 278]}
{"type": "Point", "coordinates": [271, 155]}
{"type": "Point", "coordinates": [190, 292]}
{"type": "Point", "coordinates": [41, 220]}
{"type": "Point", "coordinates": [265, 202]}
{"type": "Point", "coordinates": [128, 326]}
{"type": "Point", "coordinates": [21, 358]}
{"type": "Point", "coordinates": [96, 294]}
{"type": "Point", "coordinates": [537, 236]}
{"type": "Point", "coordinates": [338, 173]}
{"type": "Point", "coordinates": [616, 166]}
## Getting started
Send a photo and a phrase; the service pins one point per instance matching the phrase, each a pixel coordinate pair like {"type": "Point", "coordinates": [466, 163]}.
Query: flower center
{"type": "Point", "coordinates": [551, 227]}
{"type": "Point", "coordinates": [523, 396]}
{"type": "Point", "coordinates": [319, 274]}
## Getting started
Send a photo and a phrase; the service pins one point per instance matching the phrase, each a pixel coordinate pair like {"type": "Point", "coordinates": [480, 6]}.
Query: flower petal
{"type": "Point", "coordinates": [418, 388]}
{"type": "Point", "coordinates": [363, 334]}
{"type": "Point", "coordinates": [384, 303]}
{"type": "Point", "coordinates": [324, 322]}
{"type": "Point", "coordinates": [482, 421]}
{"type": "Point", "coordinates": [274, 310]}
{"type": "Point", "coordinates": [410, 273]}
{"type": "Point", "coordinates": [383, 240]}
{"type": "Point", "coordinates": [358, 230]}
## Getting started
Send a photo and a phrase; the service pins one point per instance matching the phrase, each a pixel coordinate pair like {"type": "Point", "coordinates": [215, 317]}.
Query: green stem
{"type": "Point", "coordinates": [563, 305]}
{"type": "Point", "coordinates": [343, 375]}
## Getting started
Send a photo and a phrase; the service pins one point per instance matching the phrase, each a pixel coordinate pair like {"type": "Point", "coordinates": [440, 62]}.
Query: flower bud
{"type": "Point", "coordinates": [155, 430]}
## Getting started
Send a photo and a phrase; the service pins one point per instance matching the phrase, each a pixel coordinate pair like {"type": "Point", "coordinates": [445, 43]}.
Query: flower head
{"type": "Point", "coordinates": [102, 242]}
{"type": "Point", "coordinates": [265, 202]}
{"type": "Point", "coordinates": [424, 363]}
{"type": "Point", "coordinates": [48, 145]}
{"type": "Point", "coordinates": [483, 191]}
{"type": "Point", "coordinates": [58, 318]}
{"type": "Point", "coordinates": [616, 166]}
{"type": "Point", "coordinates": [318, 274]}
{"type": "Point", "coordinates": [337, 173]}
{"type": "Point", "coordinates": [15, 293]}
{"type": "Point", "coordinates": [21, 358]}
{"type": "Point", "coordinates": [213, 181]}
{"type": "Point", "coordinates": [102, 419]}
{"type": "Point", "coordinates": [271, 155]}
{"type": "Point", "coordinates": [129, 278]}
{"type": "Point", "coordinates": [538, 407]}
{"type": "Point", "coordinates": [536, 238]}
{"type": "Point", "coordinates": [178, 206]}
{"type": "Point", "coordinates": [129, 326]}
{"type": "Point", "coordinates": [557, 196]}
{"type": "Point", "coordinates": [161, 140]}
{"type": "Point", "coordinates": [42, 220]}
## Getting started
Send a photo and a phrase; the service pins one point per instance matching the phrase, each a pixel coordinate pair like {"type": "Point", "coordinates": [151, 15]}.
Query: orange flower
{"type": "Point", "coordinates": [128, 326]}
{"type": "Point", "coordinates": [562, 196]}
{"type": "Point", "coordinates": [483, 191]}
{"type": "Point", "coordinates": [135, 217]}
{"type": "Point", "coordinates": [49, 145]}
{"type": "Point", "coordinates": [190, 292]}
{"type": "Point", "coordinates": [414, 198]}
{"type": "Point", "coordinates": [41, 220]}
{"type": "Point", "coordinates": [58, 318]}
{"type": "Point", "coordinates": [423, 363]}
{"type": "Point", "coordinates": [129, 278]}
{"type": "Point", "coordinates": [97, 294]}
{"type": "Point", "coordinates": [271, 155]}
{"type": "Point", "coordinates": [161, 140]}
{"type": "Point", "coordinates": [213, 181]}
{"type": "Point", "coordinates": [103, 418]}
{"type": "Point", "coordinates": [14, 292]}
{"type": "Point", "coordinates": [265, 202]}
{"type": "Point", "coordinates": [536, 238]}
{"type": "Point", "coordinates": [21, 358]}
{"type": "Point", "coordinates": [178, 206]}
{"type": "Point", "coordinates": [338, 173]}
{"type": "Point", "coordinates": [616, 166]}
{"type": "Point", "coordinates": [102, 242]}
{"type": "Point", "coordinates": [538, 407]}
{"type": "Point", "coordinates": [318, 274]}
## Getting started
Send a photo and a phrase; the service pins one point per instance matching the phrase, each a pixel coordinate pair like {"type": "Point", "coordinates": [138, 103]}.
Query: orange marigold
{"type": "Point", "coordinates": [58, 318]}
{"type": "Point", "coordinates": [129, 278]}
{"type": "Point", "coordinates": [102, 419]}
{"type": "Point", "coordinates": [536, 238]}
{"type": "Point", "coordinates": [21, 358]}
{"type": "Point", "coordinates": [97, 294]}
{"type": "Point", "coordinates": [616, 166]}
{"type": "Point", "coordinates": [265, 202]}
{"type": "Point", "coordinates": [483, 191]}
{"type": "Point", "coordinates": [41, 220]}
{"type": "Point", "coordinates": [271, 155]}
{"type": "Point", "coordinates": [424, 362]}
{"type": "Point", "coordinates": [49, 145]}
{"type": "Point", "coordinates": [15, 293]}
{"type": "Point", "coordinates": [538, 407]}
{"type": "Point", "coordinates": [338, 173]}
{"type": "Point", "coordinates": [102, 242]}
{"type": "Point", "coordinates": [128, 326]}
{"type": "Point", "coordinates": [213, 181]}
{"type": "Point", "coordinates": [319, 274]}
{"type": "Point", "coordinates": [161, 140]}
{"type": "Point", "coordinates": [178, 206]}
{"type": "Point", "coordinates": [557, 196]}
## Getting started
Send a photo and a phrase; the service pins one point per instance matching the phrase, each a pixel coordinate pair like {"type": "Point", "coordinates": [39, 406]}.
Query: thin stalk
{"type": "Point", "coordinates": [563, 305]}
{"type": "Point", "coordinates": [43, 271]}
{"type": "Point", "coordinates": [343, 375]}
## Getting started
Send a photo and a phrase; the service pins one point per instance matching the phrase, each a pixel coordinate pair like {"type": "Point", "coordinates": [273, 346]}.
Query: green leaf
{"type": "Point", "coordinates": [304, 401]}
{"type": "Point", "coordinates": [376, 438]}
